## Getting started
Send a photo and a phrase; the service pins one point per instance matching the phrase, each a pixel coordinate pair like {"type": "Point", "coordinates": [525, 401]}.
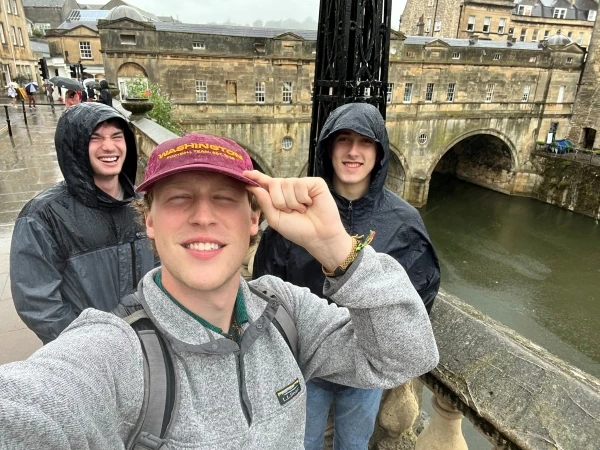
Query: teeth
{"type": "Point", "coordinates": [203, 246]}
{"type": "Point", "coordinates": [352, 164]}
{"type": "Point", "coordinates": [109, 159]}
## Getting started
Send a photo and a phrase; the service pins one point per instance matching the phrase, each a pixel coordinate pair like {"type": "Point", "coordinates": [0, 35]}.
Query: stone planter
{"type": "Point", "coordinates": [137, 106]}
{"type": "Point", "coordinates": [114, 91]}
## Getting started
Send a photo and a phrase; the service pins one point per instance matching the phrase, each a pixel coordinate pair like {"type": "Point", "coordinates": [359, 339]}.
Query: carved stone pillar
{"type": "Point", "coordinates": [444, 432]}
{"type": "Point", "coordinates": [399, 409]}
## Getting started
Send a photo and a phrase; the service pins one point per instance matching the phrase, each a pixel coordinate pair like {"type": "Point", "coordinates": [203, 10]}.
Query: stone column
{"type": "Point", "coordinates": [444, 432]}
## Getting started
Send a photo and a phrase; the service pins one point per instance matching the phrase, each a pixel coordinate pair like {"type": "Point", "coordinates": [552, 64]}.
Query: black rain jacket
{"type": "Point", "coordinates": [400, 232]}
{"type": "Point", "coordinates": [74, 246]}
{"type": "Point", "coordinates": [105, 95]}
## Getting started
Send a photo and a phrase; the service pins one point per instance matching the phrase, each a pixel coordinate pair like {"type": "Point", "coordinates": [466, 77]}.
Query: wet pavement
{"type": "Point", "coordinates": [27, 166]}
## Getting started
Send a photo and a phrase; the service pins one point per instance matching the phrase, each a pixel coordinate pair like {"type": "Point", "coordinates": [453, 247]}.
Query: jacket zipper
{"type": "Point", "coordinates": [133, 268]}
{"type": "Point", "coordinates": [351, 217]}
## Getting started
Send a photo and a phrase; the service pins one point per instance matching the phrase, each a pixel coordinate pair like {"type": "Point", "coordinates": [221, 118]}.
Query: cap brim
{"type": "Point", "coordinates": [147, 184]}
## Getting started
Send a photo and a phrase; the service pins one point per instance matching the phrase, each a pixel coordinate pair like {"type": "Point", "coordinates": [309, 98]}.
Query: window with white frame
{"type": "Point", "coordinates": [198, 45]}
{"type": "Point", "coordinates": [390, 93]}
{"type": "Point", "coordinates": [580, 38]}
{"type": "Point", "coordinates": [486, 24]}
{"type": "Point", "coordinates": [13, 35]}
{"type": "Point", "coordinates": [532, 59]}
{"type": "Point", "coordinates": [501, 26]}
{"type": "Point", "coordinates": [8, 7]}
{"type": "Point", "coordinates": [592, 15]}
{"type": "Point", "coordinates": [201, 91]}
{"type": "Point", "coordinates": [287, 92]}
{"type": "Point", "coordinates": [20, 36]}
{"type": "Point", "coordinates": [408, 92]}
{"type": "Point", "coordinates": [437, 26]}
{"type": "Point", "coordinates": [511, 32]}
{"type": "Point", "coordinates": [2, 37]}
{"type": "Point", "coordinates": [471, 23]}
{"type": "Point", "coordinates": [428, 25]}
{"type": "Point", "coordinates": [561, 94]}
{"type": "Point", "coordinates": [569, 60]}
{"type": "Point", "coordinates": [546, 34]}
{"type": "Point", "coordinates": [489, 93]}
{"type": "Point", "coordinates": [429, 93]}
{"type": "Point", "coordinates": [14, 8]}
{"type": "Point", "coordinates": [523, 34]}
{"type": "Point", "coordinates": [366, 91]}
{"type": "Point", "coordinates": [451, 91]}
{"type": "Point", "coordinates": [456, 55]}
{"type": "Point", "coordinates": [85, 50]}
{"type": "Point", "coordinates": [497, 56]}
{"type": "Point", "coordinates": [259, 91]}
{"type": "Point", "coordinates": [524, 10]}
{"type": "Point", "coordinates": [559, 13]}
{"type": "Point", "coordinates": [534, 37]}
{"type": "Point", "coordinates": [526, 91]}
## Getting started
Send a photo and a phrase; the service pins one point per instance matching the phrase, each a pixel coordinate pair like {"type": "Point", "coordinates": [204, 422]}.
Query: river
{"type": "Point", "coordinates": [531, 266]}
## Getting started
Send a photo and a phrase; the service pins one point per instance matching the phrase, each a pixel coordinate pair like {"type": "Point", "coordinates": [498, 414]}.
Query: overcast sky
{"type": "Point", "coordinates": [239, 11]}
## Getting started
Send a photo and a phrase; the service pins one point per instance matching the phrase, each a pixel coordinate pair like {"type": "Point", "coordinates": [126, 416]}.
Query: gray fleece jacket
{"type": "Point", "coordinates": [84, 390]}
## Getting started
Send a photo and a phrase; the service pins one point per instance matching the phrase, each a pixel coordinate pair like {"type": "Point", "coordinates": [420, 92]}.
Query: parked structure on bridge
{"type": "Point", "coordinates": [524, 21]}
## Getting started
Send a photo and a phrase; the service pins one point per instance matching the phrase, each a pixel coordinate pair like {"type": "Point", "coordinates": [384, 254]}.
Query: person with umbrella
{"type": "Point", "coordinates": [89, 90]}
{"type": "Point", "coordinates": [72, 86]}
{"type": "Point", "coordinates": [31, 89]}
{"type": "Point", "coordinates": [12, 93]}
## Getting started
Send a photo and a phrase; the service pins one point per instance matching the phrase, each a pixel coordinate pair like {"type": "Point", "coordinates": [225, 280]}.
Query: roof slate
{"type": "Point", "coordinates": [226, 30]}
{"type": "Point", "coordinates": [422, 40]}
{"type": "Point", "coordinates": [43, 3]}
{"type": "Point", "coordinates": [70, 25]}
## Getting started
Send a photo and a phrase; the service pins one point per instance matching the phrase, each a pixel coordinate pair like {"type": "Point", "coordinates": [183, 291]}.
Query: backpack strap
{"type": "Point", "coordinates": [283, 321]}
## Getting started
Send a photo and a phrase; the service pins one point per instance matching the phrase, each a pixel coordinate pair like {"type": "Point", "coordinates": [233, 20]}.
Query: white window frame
{"type": "Point", "coordinates": [429, 92]}
{"type": "Point", "coordinates": [198, 45]}
{"type": "Point", "coordinates": [456, 55]}
{"type": "Point", "coordinates": [451, 92]}
{"type": "Point", "coordinates": [471, 23]}
{"type": "Point", "coordinates": [2, 37]}
{"type": "Point", "coordinates": [580, 39]}
{"type": "Point", "coordinates": [592, 15]}
{"type": "Point", "coordinates": [523, 35]}
{"type": "Point", "coordinates": [408, 88]}
{"type": "Point", "coordinates": [260, 92]}
{"type": "Point", "coordinates": [524, 10]}
{"type": "Point", "coordinates": [501, 26]}
{"type": "Point", "coordinates": [569, 60]}
{"type": "Point", "coordinates": [533, 59]}
{"type": "Point", "coordinates": [8, 7]}
{"type": "Point", "coordinates": [561, 94]}
{"type": "Point", "coordinates": [13, 35]}
{"type": "Point", "coordinates": [85, 48]}
{"type": "Point", "coordinates": [201, 91]}
{"type": "Point", "coordinates": [526, 92]}
{"type": "Point", "coordinates": [20, 37]}
{"type": "Point", "coordinates": [428, 25]}
{"type": "Point", "coordinates": [534, 35]}
{"type": "Point", "coordinates": [497, 56]}
{"type": "Point", "coordinates": [487, 22]}
{"type": "Point", "coordinates": [546, 34]}
{"type": "Point", "coordinates": [389, 96]}
{"type": "Point", "coordinates": [437, 26]}
{"type": "Point", "coordinates": [559, 13]}
{"type": "Point", "coordinates": [15, 8]}
{"type": "Point", "coordinates": [489, 93]}
{"type": "Point", "coordinates": [287, 92]}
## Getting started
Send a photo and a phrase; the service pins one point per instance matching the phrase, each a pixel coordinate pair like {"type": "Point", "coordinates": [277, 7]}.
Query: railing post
{"type": "Point", "coordinates": [24, 113]}
{"type": "Point", "coordinates": [399, 409]}
{"type": "Point", "coordinates": [444, 432]}
{"type": "Point", "coordinates": [8, 120]}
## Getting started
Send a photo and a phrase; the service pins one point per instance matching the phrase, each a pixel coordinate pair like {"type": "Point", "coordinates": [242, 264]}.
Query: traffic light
{"type": "Point", "coordinates": [82, 72]}
{"type": "Point", "coordinates": [43, 68]}
{"type": "Point", "coordinates": [73, 69]}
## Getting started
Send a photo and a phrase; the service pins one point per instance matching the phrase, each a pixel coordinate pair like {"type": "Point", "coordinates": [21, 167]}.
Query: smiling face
{"type": "Point", "coordinates": [201, 223]}
{"type": "Point", "coordinates": [353, 157]}
{"type": "Point", "coordinates": [107, 150]}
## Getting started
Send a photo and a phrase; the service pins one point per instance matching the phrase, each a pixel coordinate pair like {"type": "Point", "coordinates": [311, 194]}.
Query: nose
{"type": "Point", "coordinates": [108, 144]}
{"type": "Point", "coordinates": [202, 213]}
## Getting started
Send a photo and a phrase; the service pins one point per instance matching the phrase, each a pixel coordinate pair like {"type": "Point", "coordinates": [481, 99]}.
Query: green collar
{"type": "Point", "coordinates": [240, 315]}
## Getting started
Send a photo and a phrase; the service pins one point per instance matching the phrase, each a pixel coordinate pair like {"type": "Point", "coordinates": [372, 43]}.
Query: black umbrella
{"type": "Point", "coordinates": [67, 83]}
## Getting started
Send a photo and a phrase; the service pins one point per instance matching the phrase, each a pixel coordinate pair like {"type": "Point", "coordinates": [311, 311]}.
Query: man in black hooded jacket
{"type": "Point", "coordinates": [77, 244]}
{"type": "Point", "coordinates": [353, 156]}
{"type": "Point", "coordinates": [105, 95]}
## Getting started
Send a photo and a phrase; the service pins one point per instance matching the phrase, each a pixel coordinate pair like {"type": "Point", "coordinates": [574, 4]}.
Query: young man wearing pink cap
{"type": "Point", "coordinates": [239, 383]}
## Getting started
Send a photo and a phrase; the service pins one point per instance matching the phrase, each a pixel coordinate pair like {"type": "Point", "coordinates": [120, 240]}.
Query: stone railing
{"type": "Point", "coordinates": [514, 392]}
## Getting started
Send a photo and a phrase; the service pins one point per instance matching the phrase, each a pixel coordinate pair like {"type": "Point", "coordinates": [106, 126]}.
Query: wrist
{"type": "Point", "coordinates": [337, 254]}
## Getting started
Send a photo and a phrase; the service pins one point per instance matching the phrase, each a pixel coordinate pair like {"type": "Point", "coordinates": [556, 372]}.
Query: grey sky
{"type": "Point", "coordinates": [240, 11]}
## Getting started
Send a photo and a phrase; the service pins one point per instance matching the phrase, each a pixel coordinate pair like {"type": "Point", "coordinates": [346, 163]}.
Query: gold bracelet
{"type": "Point", "coordinates": [357, 246]}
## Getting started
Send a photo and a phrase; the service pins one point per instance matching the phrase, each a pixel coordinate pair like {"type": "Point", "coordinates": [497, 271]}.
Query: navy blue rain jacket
{"type": "Point", "coordinates": [74, 246]}
{"type": "Point", "coordinates": [400, 232]}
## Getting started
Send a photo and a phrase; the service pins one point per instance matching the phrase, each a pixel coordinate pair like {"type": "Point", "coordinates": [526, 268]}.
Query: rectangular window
{"type": "Point", "coordinates": [410, 54]}
{"type": "Point", "coordinates": [428, 25]}
{"type": "Point", "coordinates": [497, 56]}
{"type": "Point", "coordinates": [546, 34]}
{"type": "Point", "coordinates": [450, 93]}
{"type": "Point", "coordinates": [570, 34]}
{"type": "Point", "coordinates": [486, 24]}
{"type": "Point", "coordinates": [8, 7]}
{"type": "Point", "coordinates": [231, 91]}
{"type": "Point", "coordinates": [259, 91]}
{"type": "Point", "coordinates": [471, 23]}
{"type": "Point", "coordinates": [14, 8]}
{"type": "Point", "coordinates": [526, 91]}
{"type": "Point", "coordinates": [561, 94]}
{"type": "Point", "coordinates": [366, 91]}
{"type": "Point", "coordinates": [13, 35]}
{"type": "Point", "coordinates": [389, 94]}
{"type": "Point", "coordinates": [569, 60]}
{"type": "Point", "coordinates": [489, 93]}
{"type": "Point", "coordinates": [534, 37]}
{"type": "Point", "coordinates": [429, 93]}
{"type": "Point", "coordinates": [532, 59]}
{"type": "Point", "coordinates": [455, 55]}
{"type": "Point", "coordinates": [127, 39]}
{"type": "Point", "coordinates": [511, 32]}
{"type": "Point", "coordinates": [20, 36]}
{"type": "Point", "coordinates": [197, 45]}
{"type": "Point", "coordinates": [501, 25]}
{"type": "Point", "coordinates": [559, 13]}
{"type": "Point", "coordinates": [2, 37]}
{"type": "Point", "coordinates": [523, 34]}
{"type": "Point", "coordinates": [580, 38]}
{"type": "Point", "coordinates": [287, 92]}
{"type": "Point", "coordinates": [85, 50]}
{"type": "Point", "coordinates": [524, 10]}
{"type": "Point", "coordinates": [408, 92]}
{"type": "Point", "coordinates": [592, 15]}
{"type": "Point", "coordinates": [201, 91]}
{"type": "Point", "coordinates": [437, 26]}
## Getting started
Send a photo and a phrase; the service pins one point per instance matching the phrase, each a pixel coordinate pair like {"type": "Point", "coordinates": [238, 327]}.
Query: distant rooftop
{"type": "Point", "coordinates": [87, 15]}
{"type": "Point", "coordinates": [481, 43]}
{"type": "Point", "coordinates": [578, 10]}
{"type": "Point", "coordinates": [228, 30]}
{"type": "Point", "coordinates": [43, 3]}
{"type": "Point", "coordinates": [70, 25]}
{"type": "Point", "coordinates": [39, 47]}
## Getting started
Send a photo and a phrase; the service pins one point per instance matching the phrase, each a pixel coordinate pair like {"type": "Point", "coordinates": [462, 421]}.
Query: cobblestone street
{"type": "Point", "coordinates": [27, 166]}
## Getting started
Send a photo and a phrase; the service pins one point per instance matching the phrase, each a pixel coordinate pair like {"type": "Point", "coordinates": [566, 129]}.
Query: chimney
{"type": "Point", "coordinates": [420, 26]}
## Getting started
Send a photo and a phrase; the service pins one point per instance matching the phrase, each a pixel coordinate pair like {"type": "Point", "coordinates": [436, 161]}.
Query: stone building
{"type": "Point", "coordinates": [471, 107]}
{"type": "Point", "coordinates": [46, 14]}
{"type": "Point", "coordinates": [16, 58]}
{"type": "Point", "coordinates": [525, 21]}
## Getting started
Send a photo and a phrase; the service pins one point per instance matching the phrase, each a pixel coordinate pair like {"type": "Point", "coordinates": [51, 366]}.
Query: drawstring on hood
{"type": "Point", "coordinates": [72, 140]}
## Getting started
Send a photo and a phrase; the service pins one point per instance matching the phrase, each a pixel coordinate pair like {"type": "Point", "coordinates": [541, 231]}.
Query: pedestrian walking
{"type": "Point", "coordinates": [31, 89]}
{"type": "Point", "coordinates": [12, 94]}
{"type": "Point", "coordinates": [105, 95]}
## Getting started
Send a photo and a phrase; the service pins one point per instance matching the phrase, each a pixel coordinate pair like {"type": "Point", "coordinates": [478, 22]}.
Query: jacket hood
{"type": "Point", "coordinates": [364, 119]}
{"type": "Point", "coordinates": [72, 140]}
{"type": "Point", "coordinates": [103, 84]}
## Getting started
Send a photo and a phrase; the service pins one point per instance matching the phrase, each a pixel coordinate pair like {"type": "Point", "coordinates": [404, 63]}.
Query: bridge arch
{"type": "Point", "coordinates": [131, 70]}
{"type": "Point", "coordinates": [258, 161]}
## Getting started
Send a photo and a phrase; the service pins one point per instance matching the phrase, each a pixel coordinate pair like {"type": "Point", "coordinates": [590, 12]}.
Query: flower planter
{"type": "Point", "coordinates": [138, 107]}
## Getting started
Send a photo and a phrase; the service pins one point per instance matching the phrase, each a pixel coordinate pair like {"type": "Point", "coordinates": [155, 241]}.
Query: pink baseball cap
{"type": "Point", "coordinates": [197, 152]}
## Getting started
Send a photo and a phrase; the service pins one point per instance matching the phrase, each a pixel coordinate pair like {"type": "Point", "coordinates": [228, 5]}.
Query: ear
{"type": "Point", "coordinates": [254, 222]}
{"type": "Point", "coordinates": [149, 226]}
